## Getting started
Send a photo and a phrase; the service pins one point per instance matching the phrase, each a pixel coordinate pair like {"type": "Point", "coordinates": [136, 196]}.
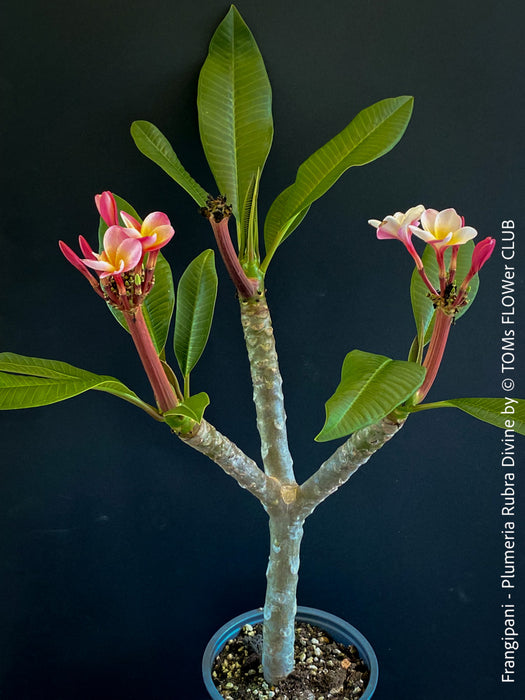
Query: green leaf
{"type": "Point", "coordinates": [371, 387]}
{"type": "Point", "coordinates": [421, 304]}
{"type": "Point", "coordinates": [27, 382]}
{"type": "Point", "coordinates": [372, 133]}
{"type": "Point", "coordinates": [153, 144]}
{"type": "Point", "coordinates": [158, 305]}
{"type": "Point", "coordinates": [505, 413]}
{"type": "Point", "coordinates": [235, 110]}
{"type": "Point", "coordinates": [193, 407]}
{"type": "Point", "coordinates": [416, 352]}
{"type": "Point", "coordinates": [197, 292]}
{"type": "Point", "coordinates": [273, 235]}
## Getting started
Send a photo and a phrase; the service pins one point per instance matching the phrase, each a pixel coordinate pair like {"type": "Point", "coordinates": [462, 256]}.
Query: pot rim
{"type": "Point", "coordinates": [330, 623]}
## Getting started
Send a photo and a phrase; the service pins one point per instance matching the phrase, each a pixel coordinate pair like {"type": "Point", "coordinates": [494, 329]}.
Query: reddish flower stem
{"type": "Point", "coordinates": [435, 351]}
{"type": "Point", "coordinates": [164, 394]}
{"type": "Point", "coordinates": [149, 271]}
{"type": "Point", "coordinates": [246, 286]}
{"type": "Point", "coordinates": [443, 275]}
{"type": "Point", "coordinates": [123, 294]}
{"type": "Point", "coordinates": [425, 279]}
{"type": "Point", "coordinates": [453, 264]}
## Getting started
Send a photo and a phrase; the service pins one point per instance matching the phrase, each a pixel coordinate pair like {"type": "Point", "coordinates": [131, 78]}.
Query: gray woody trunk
{"type": "Point", "coordinates": [287, 503]}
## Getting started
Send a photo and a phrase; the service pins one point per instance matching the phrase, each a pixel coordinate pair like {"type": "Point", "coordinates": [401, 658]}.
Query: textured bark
{"type": "Point", "coordinates": [280, 606]}
{"type": "Point", "coordinates": [287, 504]}
{"type": "Point", "coordinates": [233, 461]}
{"type": "Point", "coordinates": [267, 389]}
{"type": "Point", "coordinates": [346, 461]}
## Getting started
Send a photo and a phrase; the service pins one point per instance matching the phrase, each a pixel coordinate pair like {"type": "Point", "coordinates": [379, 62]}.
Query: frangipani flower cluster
{"type": "Point", "coordinates": [441, 230]}
{"type": "Point", "coordinates": [126, 263]}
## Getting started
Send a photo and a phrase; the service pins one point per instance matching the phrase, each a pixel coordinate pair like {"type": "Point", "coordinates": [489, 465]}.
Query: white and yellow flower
{"type": "Point", "coordinates": [443, 228]}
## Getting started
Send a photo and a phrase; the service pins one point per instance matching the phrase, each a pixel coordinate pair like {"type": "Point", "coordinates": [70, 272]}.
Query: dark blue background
{"type": "Point", "coordinates": [122, 551]}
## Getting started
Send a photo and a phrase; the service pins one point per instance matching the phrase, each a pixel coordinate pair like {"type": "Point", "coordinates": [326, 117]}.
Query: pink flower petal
{"type": "Point", "coordinates": [107, 208]}
{"type": "Point", "coordinates": [113, 238]}
{"type": "Point", "coordinates": [132, 233]}
{"type": "Point", "coordinates": [130, 221]}
{"type": "Point", "coordinates": [100, 265]}
{"type": "Point", "coordinates": [153, 221]}
{"type": "Point", "coordinates": [389, 227]}
{"type": "Point", "coordinates": [384, 232]}
{"type": "Point", "coordinates": [149, 243]}
{"type": "Point", "coordinates": [72, 257]}
{"type": "Point", "coordinates": [86, 248]}
{"type": "Point", "coordinates": [482, 252]}
{"type": "Point", "coordinates": [128, 254]}
{"type": "Point", "coordinates": [162, 236]}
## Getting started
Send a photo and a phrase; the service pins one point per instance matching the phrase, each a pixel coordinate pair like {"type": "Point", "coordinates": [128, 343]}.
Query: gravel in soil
{"type": "Point", "coordinates": [324, 669]}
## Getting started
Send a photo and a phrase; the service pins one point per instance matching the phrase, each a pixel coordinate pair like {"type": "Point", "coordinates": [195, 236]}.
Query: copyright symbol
{"type": "Point", "coordinates": [508, 384]}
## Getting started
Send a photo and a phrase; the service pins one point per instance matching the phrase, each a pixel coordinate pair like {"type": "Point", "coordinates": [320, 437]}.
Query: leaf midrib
{"type": "Point", "coordinates": [193, 314]}
{"type": "Point", "coordinates": [57, 374]}
{"type": "Point", "coordinates": [369, 379]}
{"type": "Point", "coordinates": [340, 160]}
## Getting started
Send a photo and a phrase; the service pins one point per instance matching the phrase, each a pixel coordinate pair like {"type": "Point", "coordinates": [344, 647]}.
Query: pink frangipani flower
{"type": "Point", "coordinates": [481, 253]}
{"type": "Point", "coordinates": [107, 208]}
{"type": "Point", "coordinates": [154, 232]}
{"type": "Point", "coordinates": [121, 253]}
{"type": "Point", "coordinates": [73, 258]}
{"type": "Point", "coordinates": [443, 228]}
{"type": "Point", "coordinates": [134, 250]}
{"type": "Point", "coordinates": [398, 226]}
{"type": "Point", "coordinates": [86, 248]}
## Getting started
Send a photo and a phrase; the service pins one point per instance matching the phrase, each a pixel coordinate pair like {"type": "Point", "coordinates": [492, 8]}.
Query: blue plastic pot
{"type": "Point", "coordinates": [337, 628]}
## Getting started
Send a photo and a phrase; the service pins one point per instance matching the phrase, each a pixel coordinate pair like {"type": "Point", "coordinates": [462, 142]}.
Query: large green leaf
{"type": "Point", "coordinates": [235, 111]}
{"type": "Point", "coordinates": [506, 413]}
{"type": "Point", "coordinates": [274, 231]}
{"type": "Point", "coordinates": [372, 133]}
{"type": "Point", "coordinates": [196, 292]}
{"type": "Point", "coordinates": [153, 144]}
{"type": "Point", "coordinates": [371, 387]}
{"type": "Point", "coordinates": [26, 382]}
{"type": "Point", "coordinates": [158, 305]}
{"type": "Point", "coordinates": [421, 304]}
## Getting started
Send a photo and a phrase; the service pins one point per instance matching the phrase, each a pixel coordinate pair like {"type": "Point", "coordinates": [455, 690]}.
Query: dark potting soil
{"type": "Point", "coordinates": [324, 669]}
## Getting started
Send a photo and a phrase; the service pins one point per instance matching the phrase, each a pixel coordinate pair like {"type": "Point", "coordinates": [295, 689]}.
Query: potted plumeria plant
{"type": "Point", "coordinates": [376, 394]}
